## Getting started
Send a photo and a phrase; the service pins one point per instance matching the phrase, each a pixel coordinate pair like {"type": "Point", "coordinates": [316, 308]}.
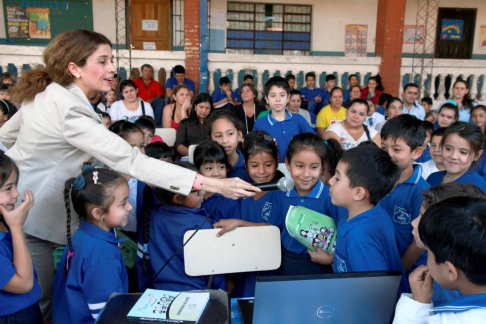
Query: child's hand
{"type": "Point", "coordinates": [421, 284]}
{"type": "Point", "coordinates": [16, 218]}
{"type": "Point", "coordinates": [321, 256]}
{"type": "Point", "coordinates": [226, 225]}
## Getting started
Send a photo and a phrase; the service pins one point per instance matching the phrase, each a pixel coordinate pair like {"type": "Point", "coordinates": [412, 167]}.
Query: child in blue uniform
{"type": "Point", "coordinates": [169, 221]}
{"type": "Point", "coordinates": [462, 144]}
{"type": "Point", "coordinates": [280, 123]}
{"type": "Point", "coordinates": [366, 239]}
{"type": "Point", "coordinates": [312, 95]}
{"type": "Point", "coordinates": [454, 233]}
{"type": "Point", "coordinates": [306, 157]}
{"type": "Point", "coordinates": [92, 267]}
{"type": "Point", "coordinates": [432, 196]}
{"type": "Point", "coordinates": [402, 138]}
{"type": "Point", "coordinates": [19, 290]}
{"type": "Point", "coordinates": [211, 161]}
{"type": "Point", "coordinates": [429, 128]}
{"type": "Point", "coordinates": [224, 97]}
{"type": "Point", "coordinates": [227, 130]}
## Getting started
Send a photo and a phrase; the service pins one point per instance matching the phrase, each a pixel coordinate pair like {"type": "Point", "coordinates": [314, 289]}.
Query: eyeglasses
{"type": "Point", "coordinates": [199, 192]}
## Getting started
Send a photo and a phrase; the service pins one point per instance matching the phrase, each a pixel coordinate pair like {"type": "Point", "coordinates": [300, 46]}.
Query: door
{"type": "Point", "coordinates": [455, 33]}
{"type": "Point", "coordinates": [150, 24]}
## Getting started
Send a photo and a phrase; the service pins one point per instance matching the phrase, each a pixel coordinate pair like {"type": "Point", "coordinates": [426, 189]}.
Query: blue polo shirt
{"type": "Point", "coordinates": [463, 304]}
{"type": "Point", "coordinates": [317, 199]}
{"type": "Point", "coordinates": [425, 156]}
{"type": "Point", "coordinates": [444, 296]}
{"type": "Point", "coordinates": [471, 177]}
{"type": "Point", "coordinates": [481, 168]}
{"type": "Point", "coordinates": [326, 97]}
{"type": "Point", "coordinates": [238, 95]}
{"type": "Point", "coordinates": [13, 303]}
{"type": "Point", "coordinates": [172, 82]}
{"type": "Point", "coordinates": [97, 270]}
{"type": "Point", "coordinates": [309, 94]}
{"type": "Point", "coordinates": [262, 210]}
{"type": "Point", "coordinates": [403, 206]}
{"type": "Point", "coordinates": [283, 131]}
{"type": "Point", "coordinates": [366, 243]}
{"type": "Point", "coordinates": [168, 224]}
{"type": "Point", "coordinates": [227, 208]}
{"type": "Point", "coordinates": [238, 170]}
{"type": "Point", "coordinates": [219, 95]}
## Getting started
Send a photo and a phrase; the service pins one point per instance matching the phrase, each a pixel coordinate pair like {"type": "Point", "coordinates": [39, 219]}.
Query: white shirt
{"type": "Point", "coordinates": [416, 110]}
{"type": "Point", "coordinates": [346, 140]}
{"type": "Point", "coordinates": [118, 111]}
{"type": "Point", "coordinates": [409, 311]}
{"type": "Point", "coordinates": [428, 168]}
{"type": "Point", "coordinates": [374, 120]}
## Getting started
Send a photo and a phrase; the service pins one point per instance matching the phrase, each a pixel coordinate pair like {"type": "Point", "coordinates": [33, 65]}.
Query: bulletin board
{"type": "Point", "coordinates": [356, 40]}
{"type": "Point", "coordinates": [37, 22]}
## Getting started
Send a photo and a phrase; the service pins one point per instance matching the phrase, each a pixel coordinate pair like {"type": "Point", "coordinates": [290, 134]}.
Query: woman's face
{"type": "Point", "coordinates": [97, 74]}
{"type": "Point", "coordinates": [372, 84]}
{"type": "Point", "coordinates": [459, 90]}
{"type": "Point", "coordinates": [356, 115]}
{"type": "Point", "coordinates": [203, 109]}
{"type": "Point", "coordinates": [130, 94]}
{"type": "Point", "coordinates": [247, 95]}
{"type": "Point", "coordinates": [337, 99]}
{"type": "Point", "coordinates": [394, 109]}
{"type": "Point", "coordinates": [181, 96]}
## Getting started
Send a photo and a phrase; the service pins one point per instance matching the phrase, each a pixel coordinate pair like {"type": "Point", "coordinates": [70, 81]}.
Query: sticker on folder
{"type": "Point", "coordinates": [311, 229]}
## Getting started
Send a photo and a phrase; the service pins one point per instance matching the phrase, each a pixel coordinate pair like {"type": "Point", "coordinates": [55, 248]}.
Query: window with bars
{"type": "Point", "coordinates": [254, 28]}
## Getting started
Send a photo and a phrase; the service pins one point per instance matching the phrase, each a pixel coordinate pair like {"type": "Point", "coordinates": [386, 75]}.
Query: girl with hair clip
{"type": "Point", "coordinates": [194, 129]}
{"type": "Point", "coordinates": [92, 266]}
{"type": "Point", "coordinates": [306, 157]}
{"type": "Point", "coordinates": [211, 161]}
{"type": "Point", "coordinates": [461, 145]}
{"type": "Point", "coordinates": [19, 290]}
{"type": "Point", "coordinates": [167, 216]}
{"type": "Point", "coordinates": [177, 111]}
{"type": "Point", "coordinates": [227, 130]}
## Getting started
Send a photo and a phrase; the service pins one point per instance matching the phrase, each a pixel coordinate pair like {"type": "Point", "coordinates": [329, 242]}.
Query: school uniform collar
{"type": "Point", "coordinates": [415, 177]}
{"type": "Point", "coordinates": [315, 193]}
{"type": "Point", "coordinates": [360, 219]}
{"type": "Point", "coordinates": [463, 303]}
{"type": "Point", "coordinates": [273, 121]}
{"type": "Point", "coordinates": [97, 232]}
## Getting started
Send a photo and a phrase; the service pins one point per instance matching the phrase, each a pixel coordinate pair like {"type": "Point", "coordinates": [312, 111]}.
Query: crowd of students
{"type": "Point", "coordinates": [389, 179]}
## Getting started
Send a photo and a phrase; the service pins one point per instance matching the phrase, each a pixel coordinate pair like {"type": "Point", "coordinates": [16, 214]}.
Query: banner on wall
{"type": "Point", "coordinates": [482, 36]}
{"type": "Point", "coordinates": [413, 34]}
{"type": "Point", "coordinates": [452, 29]}
{"type": "Point", "coordinates": [39, 24]}
{"type": "Point", "coordinates": [356, 40]}
{"type": "Point", "coordinates": [17, 22]}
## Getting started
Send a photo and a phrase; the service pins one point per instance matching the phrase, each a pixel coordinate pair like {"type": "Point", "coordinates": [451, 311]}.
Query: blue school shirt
{"type": "Point", "coordinates": [347, 94]}
{"type": "Point", "coordinates": [13, 303]}
{"type": "Point", "coordinates": [481, 168]}
{"type": "Point", "coordinates": [309, 94]}
{"type": "Point", "coordinates": [238, 95]}
{"type": "Point", "coordinates": [238, 170]}
{"type": "Point", "coordinates": [403, 206]}
{"type": "Point", "coordinates": [463, 304]}
{"type": "Point", "coordinates": [283, 131]}
{"type": "Point", "coordinates": [317, 199]}
{"type": "Point", "coordinates": [225, 209]}
{"type": "Point", "coordinates": [168, 224]}
{"type": "Point", "coordinates": [443, 296]}
{"type": "Point", "coordinates": [97, 270]}
{"type": "Point", "coordinates": [326, 97]}
{"type": "Point", "coordinates": [366, 243]}
{"type": "Point", "coordinates": [425, 156]}
{"type": "Point", "coordinates": [172, 82]}
{"type": "Point", "coordinates": [262, 210]}
{"type": "Point", "coordinates": [471, 177]}
{"type": "Point", "coordinates": [219, 95]}
{"type": "Point", "coordinates": [381, 110]}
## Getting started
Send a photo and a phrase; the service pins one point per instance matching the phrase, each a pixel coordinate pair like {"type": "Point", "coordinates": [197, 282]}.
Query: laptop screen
{"type": "Point", "coordinates": [361, 297]}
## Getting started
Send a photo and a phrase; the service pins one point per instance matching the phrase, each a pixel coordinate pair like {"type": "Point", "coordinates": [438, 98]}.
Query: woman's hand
{"type": "Point", "coordinates": [16, 218]}
{"type": "Point", "coordinates": [227, 225]}
{"type": "Point", "coordinates": [233, 188]}
{"type": "Point", "coordinates": [185, 108]}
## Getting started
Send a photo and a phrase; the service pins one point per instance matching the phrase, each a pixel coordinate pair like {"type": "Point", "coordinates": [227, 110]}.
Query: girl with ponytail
{"type": "Point", "coordinates": [92, 267]}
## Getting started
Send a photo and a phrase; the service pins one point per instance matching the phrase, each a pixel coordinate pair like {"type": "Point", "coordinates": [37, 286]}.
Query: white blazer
{"type": "Point", "coordinates": [52, 136]}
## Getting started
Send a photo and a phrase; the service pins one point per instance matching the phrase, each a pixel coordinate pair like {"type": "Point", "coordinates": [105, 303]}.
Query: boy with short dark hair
{"type": "Point", "coordinates": [248, 78]}
{"type": "Point", "coordinates": [427, 103]}
{"type": "Point", "coordinates": [453, 232]}
{"type": "Point", "coordinates": [224, 97]}
{"type": "Point", "coordinates": [353, 81]}
{"type": "Point", "coordinates": [326, 92]}
{"type": "Point", "coordinates": [366, 240]}
{"type": "Point", "coordinates": [402, 138]}
{"type": "Point", "coordinates": [429, 129]}
{"type": "Point", "coordinates": [311, 94]}
{"type": "Point", "coordinates": [291, 80]}
{"type": "Point", "coordinates": [280, 123]}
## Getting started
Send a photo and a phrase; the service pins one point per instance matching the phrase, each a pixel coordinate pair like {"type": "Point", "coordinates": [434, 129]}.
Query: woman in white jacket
{"type": "Point", "coordinates": [57, 130]}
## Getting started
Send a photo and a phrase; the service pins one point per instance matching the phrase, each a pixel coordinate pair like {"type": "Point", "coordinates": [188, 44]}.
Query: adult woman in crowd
{"type": "Point", "coordinates": [193, 130]}
{"type": "Point", "coordinates": [131, 107]}
{"type": "Point", "coordinates": [178, 110]}
{"type": "Point", "coordinates": [249, 110]}
{"type": "Point", "coordinates": [57, 130]}
{"type": "Point", "coordinates": [373, 90]}
{"type": "Point", "coordinates": [460, 94]}
{"type": "Point", "coordinates": [352, 131]}
{"type": "Point", "coordinates": [394, 108]}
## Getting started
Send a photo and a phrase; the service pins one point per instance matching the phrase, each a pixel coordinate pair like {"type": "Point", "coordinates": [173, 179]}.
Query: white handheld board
{"type": "Point", "coordinates": [244, 249]}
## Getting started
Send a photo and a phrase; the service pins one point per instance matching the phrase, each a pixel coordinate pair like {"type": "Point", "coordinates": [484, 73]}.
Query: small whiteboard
{"type": "Point", "coordinates": [244, 249]}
